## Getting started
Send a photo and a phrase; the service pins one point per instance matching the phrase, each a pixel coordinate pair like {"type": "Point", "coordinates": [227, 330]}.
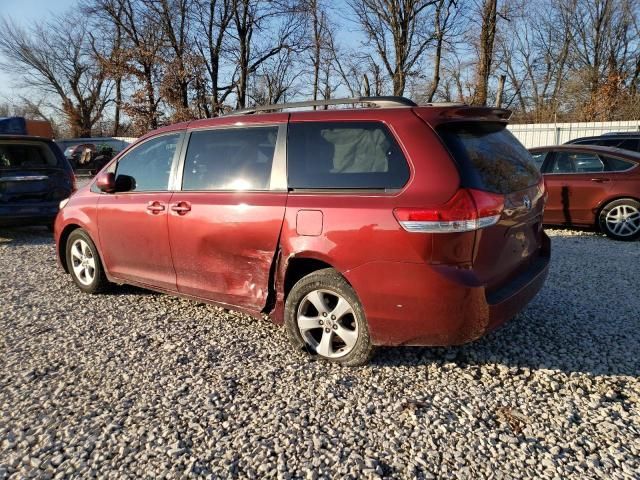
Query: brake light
{"type": "Point", "coordinates": [467, 210]}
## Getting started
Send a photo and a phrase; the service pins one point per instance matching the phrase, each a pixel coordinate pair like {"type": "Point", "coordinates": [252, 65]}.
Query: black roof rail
{"type": "Point", "coordinates": [379, 102]}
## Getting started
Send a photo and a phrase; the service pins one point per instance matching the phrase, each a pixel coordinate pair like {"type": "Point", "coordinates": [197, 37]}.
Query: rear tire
{"type": "Point", "coordinates": [324, 317]}
{"type": "Point", "coordinates": [83, 262]}
{"type": "Point", "coordinates": [620, 219]}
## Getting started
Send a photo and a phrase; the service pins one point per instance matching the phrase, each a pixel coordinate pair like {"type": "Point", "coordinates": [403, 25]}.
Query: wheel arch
{"type": "Point", "coordinates": [62, 244]}
{"type": "Point", "coordinates": [607, 201]}
{"type": "Point", "coordinates": [300, 266]}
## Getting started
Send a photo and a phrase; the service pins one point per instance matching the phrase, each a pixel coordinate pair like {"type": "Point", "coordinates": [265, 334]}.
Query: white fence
{"type": "Point", "coordinates": [542, 134]}
{"type": "Point", "coordinates": [127, 139]}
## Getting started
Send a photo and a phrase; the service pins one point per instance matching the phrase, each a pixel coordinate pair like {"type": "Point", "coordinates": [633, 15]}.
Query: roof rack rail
{"type": "Point", "coordinates": [379, 102]}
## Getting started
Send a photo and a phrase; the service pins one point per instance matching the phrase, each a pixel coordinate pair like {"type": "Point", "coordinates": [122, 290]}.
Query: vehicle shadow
{"type": "Point", "coordinates": [578, 322]}
{"type": "Point", "coordinates": [28, 235]}
{"type": "Point", "coordinates": [118, 290]}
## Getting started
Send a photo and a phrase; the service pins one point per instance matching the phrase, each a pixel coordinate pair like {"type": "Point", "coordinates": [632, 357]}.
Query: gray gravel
{"type": "Point", "coordinates": [137, 384]}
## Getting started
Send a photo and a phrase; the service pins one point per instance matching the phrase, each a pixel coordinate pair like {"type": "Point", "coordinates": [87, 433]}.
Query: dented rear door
{"type": "Point", "coordinates": [226, 213]}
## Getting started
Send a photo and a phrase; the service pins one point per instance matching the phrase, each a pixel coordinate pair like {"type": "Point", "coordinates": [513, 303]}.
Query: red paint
{"type": "Point", "coordinates": [222, 248]}
{"type": "Point", "coordinates": [134, 238]}
{"type": "Point", "coordinates": [416, 288]}
{"type": "Point", "coordinates": [309, 223]}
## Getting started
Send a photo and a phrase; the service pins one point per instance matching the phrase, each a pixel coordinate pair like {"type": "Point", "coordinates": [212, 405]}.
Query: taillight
{"type": "Point", "coordinates": [467, 210]}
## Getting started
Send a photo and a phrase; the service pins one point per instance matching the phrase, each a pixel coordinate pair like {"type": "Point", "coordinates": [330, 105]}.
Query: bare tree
{"type": "Point", "coordinates": [604, 53]}
{"type": "Point", "coordinates": [534, 57]}
{"type": "Point", "coordinates": [56, 57]}
{"type": "Point", "coordinates": [274, 80]}
{"type": "Point", "coordinates": [397, 30]}
{"type": "Point", "coordinates": [212, 19]}
{"type": "Point", "coordinates": [489, 15]}
{"type": "Point", "coordinates": [321, 40]}
{"type": "Point", "coordinates": [139, 57]}
{"type": "Point", "coordinates": [253, 20]}
{"type": "Point", "coordinates": [446, 15]}
{"type": "Point", "coordinates": [173, 19]}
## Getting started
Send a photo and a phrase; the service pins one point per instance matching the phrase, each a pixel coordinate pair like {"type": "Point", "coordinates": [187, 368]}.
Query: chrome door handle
{"type": "Point", "coordinates": [599, 180]}
{"type": "Point", "coordinates": [155, 207]}
{"type": "Point", "coordinates": [181, 208]}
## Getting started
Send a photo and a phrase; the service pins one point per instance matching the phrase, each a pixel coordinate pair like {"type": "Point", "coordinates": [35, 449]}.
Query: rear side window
{"type": "Point", "coordinates": [17, 154]}
{"type": "Point", "coordinates": [489, 157]}
{"type": "Point", "coordinates": [230, 159]}
{"type": "Point", "coordinates": [538, 158]}
{"type": "Point", "coordinates": [585, 162]}
{"type": "Point", "coordinates": [617, 164]}
{"type": "Point", "coordinates": [353, 155]}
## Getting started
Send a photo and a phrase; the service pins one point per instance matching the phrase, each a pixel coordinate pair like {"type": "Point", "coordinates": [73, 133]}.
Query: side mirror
{"type": "Point", "coordinates": [125, 183]}
{"type": "Point", "coordinates": [106, 182]}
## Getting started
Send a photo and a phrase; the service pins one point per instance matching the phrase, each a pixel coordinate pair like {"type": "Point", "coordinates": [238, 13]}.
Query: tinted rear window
{"type": "Point", "coordinates": [617, 164]}
{"type": "Point", "coordinates": [489, 157]}
{"type": "Point", "coordinates": [351, 155]}
{"type": "Point", "coordinates": [17, 154]}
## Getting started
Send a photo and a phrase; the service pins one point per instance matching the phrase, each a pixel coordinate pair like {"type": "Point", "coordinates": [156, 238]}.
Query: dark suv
{"type": "Point", "coordinates": [355, 227]}
{"type": "Point", "coordinates": [622, 140]}
{"type": "Point", "coordinates": [34, 178]}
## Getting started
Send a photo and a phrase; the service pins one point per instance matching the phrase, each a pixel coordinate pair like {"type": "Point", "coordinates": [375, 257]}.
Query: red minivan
{"type": "Point", "coordinates": [393, 224]}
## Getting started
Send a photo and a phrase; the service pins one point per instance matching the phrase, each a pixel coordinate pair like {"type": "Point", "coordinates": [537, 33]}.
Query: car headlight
{"type": "Point", "coordinates": [63, 203]}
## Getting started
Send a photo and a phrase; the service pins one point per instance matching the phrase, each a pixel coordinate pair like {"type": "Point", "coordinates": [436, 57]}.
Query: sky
{"type": "Point", "coordinates": [23, 12]}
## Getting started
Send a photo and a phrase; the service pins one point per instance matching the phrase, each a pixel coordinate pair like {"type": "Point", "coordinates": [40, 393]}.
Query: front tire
{"type": "Point", "coordinates": [620, 219]}
{"type": "Point", "coordinates": [83, 262]}
{"type": "Point", "coordinates": [324, 317]}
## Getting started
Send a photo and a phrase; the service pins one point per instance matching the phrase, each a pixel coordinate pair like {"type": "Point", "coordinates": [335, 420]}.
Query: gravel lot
{"type": "Point", "coordinates": [137, 384]}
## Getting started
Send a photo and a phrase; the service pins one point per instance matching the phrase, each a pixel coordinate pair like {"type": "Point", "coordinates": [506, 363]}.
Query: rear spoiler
{"type": "Point", "coordinates": [463, 113]}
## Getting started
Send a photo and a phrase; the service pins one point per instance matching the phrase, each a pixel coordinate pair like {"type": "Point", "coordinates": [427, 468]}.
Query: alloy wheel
{"type": "Point", "coordinates": [327, 323]}
{"type": "Point", "coordinates": [83, 262]}
{"type": "Point", "coordinates": [623, 220]}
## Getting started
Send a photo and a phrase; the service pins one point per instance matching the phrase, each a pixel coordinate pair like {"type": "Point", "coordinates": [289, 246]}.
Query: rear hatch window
{"type": "Point", "coordinates": [30, 171]}
{"type": "Point", "coordinates": [26, 155]}
{"type": "Point", "coordinates": [489, 157]}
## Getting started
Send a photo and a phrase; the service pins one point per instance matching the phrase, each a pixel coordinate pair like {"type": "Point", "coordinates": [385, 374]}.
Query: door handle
{"type": "Point", "coordinates": [155, 207]}
{"type": "Point", "coordinates": [181, 208]}
{"type": "Point", "coordinates": [599, 180]}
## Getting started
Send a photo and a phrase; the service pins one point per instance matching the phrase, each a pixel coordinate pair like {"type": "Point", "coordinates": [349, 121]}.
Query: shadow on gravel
{"type": "Point", "coordinates": [18, 236]}
{"type": "Point", "coordinates": [117, 290]}
{"type": "Point", "coordinates": [579, 321]}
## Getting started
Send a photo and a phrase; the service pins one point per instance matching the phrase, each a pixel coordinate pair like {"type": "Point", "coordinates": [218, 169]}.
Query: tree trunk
{"type": "Point", "coordinates": [487, 38]}
{"type": "Point", "coordinates": [116, 120]}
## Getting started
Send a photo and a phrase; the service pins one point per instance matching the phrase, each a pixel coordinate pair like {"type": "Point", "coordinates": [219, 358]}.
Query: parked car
{"type": "Point", "coordinates": [89, 155]}
{"type": "Point", "coordinates": [592, 186]}
{"type": "Point", "coordinates": [355, 227]}
{"type": "Point", "coordinates": [34, 178]}
{"type": "Point", "coordinates": [623, 140]}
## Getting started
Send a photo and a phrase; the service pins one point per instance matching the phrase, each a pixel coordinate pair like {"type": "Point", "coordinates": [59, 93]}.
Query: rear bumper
{"type": "Point", "coordinates": [28, 213]}
{"type": "Point", "coordinates": [417, 304]}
